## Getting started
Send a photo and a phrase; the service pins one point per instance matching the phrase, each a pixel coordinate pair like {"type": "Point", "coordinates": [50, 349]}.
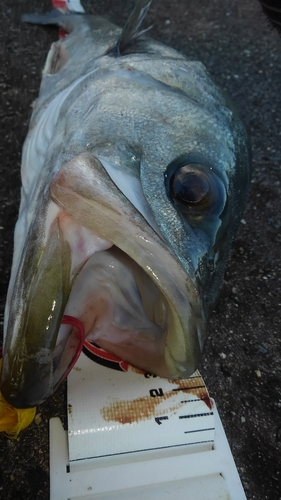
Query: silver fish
{"type": "Point", "coordinates": [135, 173]}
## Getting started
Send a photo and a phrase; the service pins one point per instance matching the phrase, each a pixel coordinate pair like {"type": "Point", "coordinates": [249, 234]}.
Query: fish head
{"type": "Point", "coordinates": [146, 180]}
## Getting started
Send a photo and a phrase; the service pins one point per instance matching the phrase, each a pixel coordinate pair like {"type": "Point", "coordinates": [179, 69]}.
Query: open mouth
{"type": "Point", "coordinates": [117, 301]}
{"type": "Point", "coordinates": [105, 267]}
{"type": "Point", "coordinates": [119, 308]}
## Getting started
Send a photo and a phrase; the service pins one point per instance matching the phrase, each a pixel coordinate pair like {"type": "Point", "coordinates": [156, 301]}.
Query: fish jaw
{"type": "Point", "coordinates": [35, 311]}
{"type": "Point", "coordinates": [39, 350]}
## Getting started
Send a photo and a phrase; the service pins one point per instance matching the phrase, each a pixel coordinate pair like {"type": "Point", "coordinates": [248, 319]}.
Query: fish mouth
{"type": "Point", "coordinates": [122, 311]}
{"type": "Point", "coordinates": [132, 296]}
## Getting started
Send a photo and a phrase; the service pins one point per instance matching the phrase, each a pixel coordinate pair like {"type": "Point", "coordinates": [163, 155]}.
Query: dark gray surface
{"type": "Point", "coordinates": [243, 54]}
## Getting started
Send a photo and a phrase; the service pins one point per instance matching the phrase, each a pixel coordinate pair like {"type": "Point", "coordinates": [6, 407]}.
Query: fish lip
{"type": "Point", "coordinates": [27, 368]}
{"type": "Point", "coordinates": [30, 391]}
{"type": "Point", "coordinates": [38, 390]}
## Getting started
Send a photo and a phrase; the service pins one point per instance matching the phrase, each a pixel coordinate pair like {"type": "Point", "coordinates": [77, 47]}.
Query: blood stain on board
{"type": "Point", "coordinates": [204, 396]}
{"type": "Point", "coordinates": [143, 408]}
{"type": "Point", "coordinates": [147, 407]}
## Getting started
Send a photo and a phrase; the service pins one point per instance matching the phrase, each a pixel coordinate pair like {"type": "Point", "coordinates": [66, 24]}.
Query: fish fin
{"type": "Point", "coordinates": [66, 21]}
{"type": "Point", "coordinates": [131, 30]}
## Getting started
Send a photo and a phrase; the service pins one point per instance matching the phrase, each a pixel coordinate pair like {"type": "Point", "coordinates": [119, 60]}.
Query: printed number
{"type": "Point", "coordinates": [158, 420]}
{"type": "Point", "coordinates": [156, 392]}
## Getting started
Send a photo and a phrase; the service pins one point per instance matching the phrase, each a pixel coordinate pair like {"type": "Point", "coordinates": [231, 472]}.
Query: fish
{"type": "Point", "coordinates": [135, 174]}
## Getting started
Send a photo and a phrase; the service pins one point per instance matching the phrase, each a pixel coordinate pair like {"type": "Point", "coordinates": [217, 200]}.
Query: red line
{"type": "Point", "coordinates": [101, 353]}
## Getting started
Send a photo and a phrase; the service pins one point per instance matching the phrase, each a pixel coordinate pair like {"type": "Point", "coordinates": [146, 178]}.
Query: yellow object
{"type": "Point", "coordinates": [14, 420]}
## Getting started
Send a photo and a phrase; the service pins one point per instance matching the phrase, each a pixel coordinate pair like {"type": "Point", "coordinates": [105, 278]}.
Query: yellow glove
{"type": "Point", "coordinates": [14, 420]}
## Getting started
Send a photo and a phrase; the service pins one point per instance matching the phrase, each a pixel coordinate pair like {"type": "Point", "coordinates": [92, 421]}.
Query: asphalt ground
{"type": "Point", "coordinates": [241, 361]}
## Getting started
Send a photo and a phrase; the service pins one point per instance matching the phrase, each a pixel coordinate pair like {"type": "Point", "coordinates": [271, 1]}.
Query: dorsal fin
{"type": "Point", "coordinates": [131, 30]}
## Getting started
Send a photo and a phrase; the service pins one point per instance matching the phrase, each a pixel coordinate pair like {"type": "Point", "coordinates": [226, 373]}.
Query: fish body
{"type": "Point", "coordinates": [135, 173]}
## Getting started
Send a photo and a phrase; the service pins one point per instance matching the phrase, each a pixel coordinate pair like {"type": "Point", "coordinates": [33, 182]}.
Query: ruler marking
{"type": "Point", "coordinates": [208, 414]}
{"type": "Point", "coordinates": [189, 388]}
{"type": "Point", "coordinates": [192, 400]}
{"type": "Point", "coordinates": [200, 430]}
{"type": "Point", "coordinates": [138, 451]}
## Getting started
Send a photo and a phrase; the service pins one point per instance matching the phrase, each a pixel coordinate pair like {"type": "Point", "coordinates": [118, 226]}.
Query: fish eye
{"type": "Point", "coordinates": [190, 185]}
{"type": "Point", "coordinates": [195, 188]}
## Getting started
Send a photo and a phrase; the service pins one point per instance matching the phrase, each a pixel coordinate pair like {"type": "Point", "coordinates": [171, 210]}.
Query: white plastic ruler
{"type": "Point", "coordinates": [135, 436]}
{"type": "Point", "coordinates": [113, 412]}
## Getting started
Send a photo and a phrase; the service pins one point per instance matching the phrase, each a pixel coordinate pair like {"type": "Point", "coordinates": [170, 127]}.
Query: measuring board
{"type": "Point", "coordinates": [132, 435]}
{"type": "Point", "coordinates": [115, 412]}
